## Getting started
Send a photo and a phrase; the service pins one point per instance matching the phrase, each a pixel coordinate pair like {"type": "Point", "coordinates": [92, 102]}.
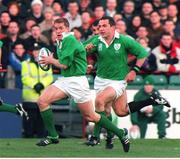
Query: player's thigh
{"type": "Point", "coordinates": [51, 94]}
{"type": "Point", "coordinates": [104, 97]}
{"type": "Point", "coordinates": [120, 105]}
{"type": "Point", "coordinates": [88, 112]}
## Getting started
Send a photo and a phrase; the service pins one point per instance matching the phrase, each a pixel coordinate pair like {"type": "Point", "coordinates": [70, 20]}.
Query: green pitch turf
{"type": "Point", "coordinates": [75, 148]}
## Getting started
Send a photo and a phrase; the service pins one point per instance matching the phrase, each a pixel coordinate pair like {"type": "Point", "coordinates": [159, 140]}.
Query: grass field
{"type": "Point", "coordinates": [167, 148]}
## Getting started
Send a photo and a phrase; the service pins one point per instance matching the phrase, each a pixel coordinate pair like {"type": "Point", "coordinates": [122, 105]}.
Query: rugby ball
{"type": "Point", "coordinates": [43, 52]}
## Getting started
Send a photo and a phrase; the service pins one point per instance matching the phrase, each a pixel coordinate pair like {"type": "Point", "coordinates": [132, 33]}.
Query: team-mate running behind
{"type": "Point", "coordinates": [18, 109]}
{"type": "Point", "coordinates": [113, 73]}
{"type": "Point", "coordinates": [72, 61]}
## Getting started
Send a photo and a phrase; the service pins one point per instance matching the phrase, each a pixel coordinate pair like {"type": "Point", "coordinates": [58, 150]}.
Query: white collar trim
{"type": "Point", "coordinates": [116, 35]}
{"type": "Point", "coordinates": [66, 34]}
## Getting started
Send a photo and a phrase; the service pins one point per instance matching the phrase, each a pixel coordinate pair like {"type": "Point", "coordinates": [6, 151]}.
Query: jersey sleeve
{"type": "Point", "coordinates": [68, 51]}
{"type": "Point", "coordinates": [135, 48]}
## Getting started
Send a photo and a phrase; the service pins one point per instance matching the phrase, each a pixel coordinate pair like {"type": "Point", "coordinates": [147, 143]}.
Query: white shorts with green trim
{"type": "Point", "coordinates": [101, 83]}
{"type": "Point", "coordinates": [76, 87]}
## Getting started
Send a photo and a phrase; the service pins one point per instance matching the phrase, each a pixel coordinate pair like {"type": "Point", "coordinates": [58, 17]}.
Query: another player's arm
{"type": "Point", "coordinates": [91, 44]}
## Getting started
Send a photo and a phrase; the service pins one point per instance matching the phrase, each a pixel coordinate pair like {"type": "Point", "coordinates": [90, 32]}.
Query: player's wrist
{"type": "Point", "coordinates": [136, 69]}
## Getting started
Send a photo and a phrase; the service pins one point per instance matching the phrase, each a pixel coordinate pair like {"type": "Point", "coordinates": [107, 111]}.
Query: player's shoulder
{"type": "Point", "coordinates": [126, 37]}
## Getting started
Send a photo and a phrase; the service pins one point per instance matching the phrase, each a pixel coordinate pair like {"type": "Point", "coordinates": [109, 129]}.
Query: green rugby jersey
{"type": "Point", "coordinates": [112, 60]}
{"type": "Point", "coordinates": [72, 54]}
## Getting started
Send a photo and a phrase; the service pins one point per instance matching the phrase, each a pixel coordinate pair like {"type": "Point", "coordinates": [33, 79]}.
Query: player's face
{"type": "Point", "coordinates": [60, 28]}
{"type": "Point", "coordinates": [95, 30]}
{"type": "Point", "coordinates": [148, 88]}
{"type": "Point", "coordinates": [105, 29]}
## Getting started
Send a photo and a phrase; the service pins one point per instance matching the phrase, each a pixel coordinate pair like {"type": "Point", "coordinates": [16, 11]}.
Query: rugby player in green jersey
{"type": "Point", "coordinates": [72, 61]}
{"type": "Point", "coordinates": [113, 73]}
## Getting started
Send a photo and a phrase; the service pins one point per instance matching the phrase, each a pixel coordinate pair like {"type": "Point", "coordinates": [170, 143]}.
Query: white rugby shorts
{"type": "Point", "coordinates": [76, 87]}
{"type": "Point", "coordinates": [101, 83]}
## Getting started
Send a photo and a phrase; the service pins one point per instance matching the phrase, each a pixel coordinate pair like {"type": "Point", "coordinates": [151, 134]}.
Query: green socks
{"type": "Point", "coordinates": [104, 122]}
{"type": "Point", "coordinates": [97, 127]}
{"type": "Point", "coordinates": [8, 108]}
{"type": "Point", "coordinates": [109, 133]}
{"type": "Point", "coordinates": [48, 120]}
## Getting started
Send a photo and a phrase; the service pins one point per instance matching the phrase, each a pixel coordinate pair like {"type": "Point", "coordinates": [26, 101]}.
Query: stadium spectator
{"type": "Point", "coordinates": [8, 42]}
{"type": "Point", "coordinates": [163, 12]}
{"type": "Point", "coordinates": [47, 4]}
{"type": "Point", "coordinates": [157, 4]}
{"type": "Point", "coordinates": [28, 24]}
{"type": "Point", "coordinates": [2, 7]}
{"type": "Point", "coordinates": [135, 24]}
{"type": "Point", "coordinates": [149, 65]}
{"type": "Point", "coordinates": [149, 114]}
{"type": "Point", "coordinates": [142, 32]}
{"type": "Point", "coordinates": [121, 27]}
{"type": "Point", "coordinates": [58, 8]}
{"type": "Point", "coordinates": [146, 10]}
{"type": "Point", "coordinates": [4, 21]}
{"type": "Point", "coordinates": [167, 57]}
{"type": "Point", "coordinates": [86, 23]}
{"type": "Point", "coordinates": [36, 37]}
{"type": "Point", "coordinates": [155, 29]}
{"type": "Point", "coordinates": [47, 23]}
{"type": "Point", "coordinates": [72, 15]}
{"type": "Point", "coordinates": [128, 11]}
{"type": "Point", "coordinates": [34, 80]}
{"type": "Point", "coordinates": [169, 27]}
{"type": "Point", "coordinates": [85, 7]}
{"type": "Point", "coordinates": [111, 8]}
{"type": "Point", "coordinates": [98, 12]}
{"type": "Point", "coordinates": [117, 16]}
{"type": "Point", "coordinates": [37, 11]}
{"type": "Point", "coordinates": [16, 57]}
{"type": "Point", "coordinates": [173, 13]}
{"type": "Point", "coordinates": [14, 12]}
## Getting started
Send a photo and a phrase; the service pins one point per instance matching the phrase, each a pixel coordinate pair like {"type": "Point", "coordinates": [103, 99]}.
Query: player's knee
{"type": "Point", "coordinates": [121, 113]}
{"type": "Point", "coordinates": [41, 103]}
{"type": "Point", "coordinates": [99, 104]}
{"type": "Point", "coordinates": [108, 111]}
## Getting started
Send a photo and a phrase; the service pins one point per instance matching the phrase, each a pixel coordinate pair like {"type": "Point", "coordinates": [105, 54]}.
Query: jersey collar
{"type": "Point", "coordinates": [64, 34]}
{"type": "Point", "coordinates": [116, 36]}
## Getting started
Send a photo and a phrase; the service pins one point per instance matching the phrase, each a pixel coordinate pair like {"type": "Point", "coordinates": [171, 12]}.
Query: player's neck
{"type": "Point", "coordinates": [109, 38]}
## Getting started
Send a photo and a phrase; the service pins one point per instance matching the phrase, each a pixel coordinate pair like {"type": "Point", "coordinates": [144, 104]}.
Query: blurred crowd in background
{"type": "Point", "coordinates": [26, 26]}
